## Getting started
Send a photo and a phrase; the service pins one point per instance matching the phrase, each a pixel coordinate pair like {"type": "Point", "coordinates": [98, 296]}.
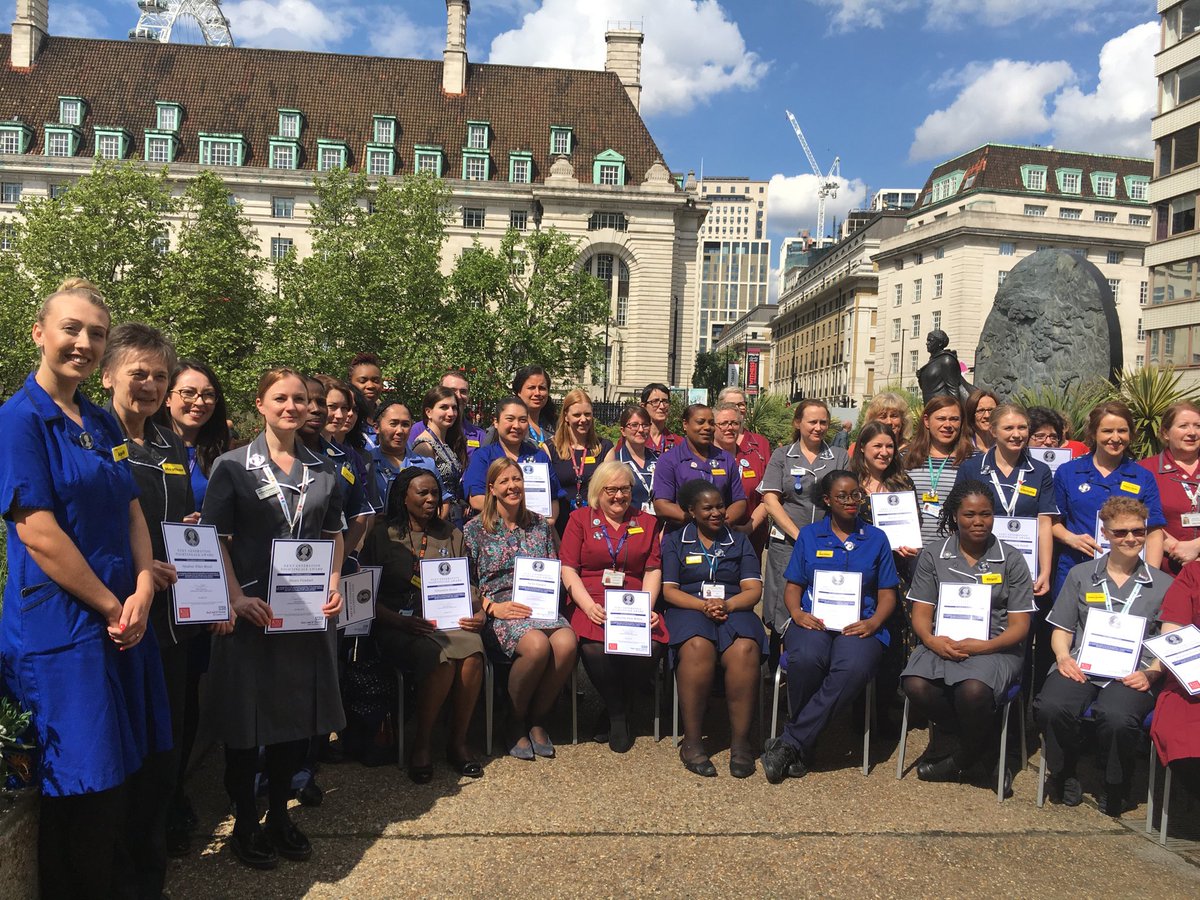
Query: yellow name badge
{"type": "Point", "coordinates": [120, 452]}
{"type": "Point", "coordinates": [824, 554]}
{"type": "Point", "coordinates": [636, 529]}
{"type": "Point", "coordinates": [718, 471]}
{"type": "Point", "coordinates": [174, 469]}
{"type": "Point", "coordinates": [929, 498]}
{"type": "Point", "coordinates": [348, 474]}
{"type": "Point", "coordinates": [473, 444]}
{"type": "Point", "coordinates": [589, 460]}
{"type": "Point", "coordinates": [1131, 488]}
{"type": "Point", "coordinates": [693, 560]}
{"type": "Point", "coordinates": [747, 473]}
{"type": "Point", "coordinates": [415, 581]}
{"type": "Point", "coordinates": [994, 578]}
{"type": "Point", "coordinates": [1095, 597]}
{"type": "Point", "coordinates": [1028, 491]}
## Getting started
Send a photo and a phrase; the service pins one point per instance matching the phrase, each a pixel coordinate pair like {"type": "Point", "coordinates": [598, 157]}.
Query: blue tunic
{"type": "Point", "coordinates": [475, 478]}
{"type": "Point", "coordinates": [97, 711]}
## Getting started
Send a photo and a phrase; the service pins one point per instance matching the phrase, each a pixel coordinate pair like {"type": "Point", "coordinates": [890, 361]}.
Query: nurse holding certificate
{"type": "Point", "coordinates": [543, 493]}
{"type": "Point", "coordinates": [958, 684]}
{"type": "Point", "coordinates": [841, 589]}
{"type": "Point", "coordinates": [1096, 600]}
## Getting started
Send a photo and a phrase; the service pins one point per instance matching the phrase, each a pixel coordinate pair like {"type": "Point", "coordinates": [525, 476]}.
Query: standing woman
{"type": "Point", "coordinates": [892, 410]}
{"type": "Point", "coordinates": [532, 385]}
{"type": "Point", "coordinates": [76, 646]}
{"type": "Point", "coordinates": [791, 493]}
{"type": "Point", "coordinates": [879, 469]}
{"type": "Point", "coordinates": [577, 452]}
{"type": "Point", "coordinates": [543, 653]}
{"type": "Point", "coordinates": [366, 374]}
{"type": "Point", "coordinates": [750, 456]}
{"type": "Point", "coordinates": [391, 455]}
{"type": "Point", "coordinates": [933, 458]}
{"type": "Point", "coordinates": [978, 418]}
{"type": "Point", "coordinates": [958, 684]}
{"type": "Point", "coordinates": [1176, 727]}
{"type": "Point", "coordinates": [1177, 473]}
{"type": "Point", "coordinates": [272, 690]}
{"type": "Point", "coordinates": [697, 457]}
{"type": "Point", "coordinates": [443, 441]}
{"type": "Point", "coordinates": [512, 441]}
{"type": "Point", "coordinates": [1046, 427]}
{"type": "Point", "coordinates": [633, 450]}
{"type": "Point", "coordinates": [341, 420]}
{"type": "Point", "coordinates": [1082, 485]}
{"type": "Point", "coordinates": [656, 400]}
{"type": "Point", "coordinates": [195, 410]}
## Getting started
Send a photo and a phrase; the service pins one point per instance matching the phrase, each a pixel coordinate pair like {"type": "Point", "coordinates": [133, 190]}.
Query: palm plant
{"type": "Point", "coordinates": [1074, 400]}
{"type": "Point", "coordinates": [770, 415]}
{"type": "Point", "coordinates": [1148, 393]}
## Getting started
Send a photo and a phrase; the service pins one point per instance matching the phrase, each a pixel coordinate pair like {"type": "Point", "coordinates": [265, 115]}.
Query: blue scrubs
{"type": "Point", "coordinates": [198, 478]}
{"type": "Point", "coordinates": [475, 478]}
{"type": "Point", "coordinates": [385, 474]}
{"type": "Point", "coordinates": [1080, 491]}
{"type": "Point", "coordinates": [97, 711]}
{"type": "Point", "coordinates": [643, 479]}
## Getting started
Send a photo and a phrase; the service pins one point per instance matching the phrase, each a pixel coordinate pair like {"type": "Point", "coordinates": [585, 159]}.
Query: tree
{"type": "Point", "coordinates": [712, 371]}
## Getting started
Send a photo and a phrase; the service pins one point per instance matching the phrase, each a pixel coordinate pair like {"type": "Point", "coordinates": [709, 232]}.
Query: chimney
{"type": "Point", "coordinates": [454, 58]}
{"type": "Point", "coordinates": [29, 30]}
{"type": "Point", "coordinates": [624, 57]}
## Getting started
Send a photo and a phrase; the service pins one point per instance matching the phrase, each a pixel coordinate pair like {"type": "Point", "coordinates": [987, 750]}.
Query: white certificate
{"type": "Point", "coordinates": [896, 515]}
{"type": "Point", "coordinates": [837, 598]}
{"type": "Point", "coordinates": [446, 592]}
{"type": "Point", "coordinates": [201, 594]}
{"type": "Point", "coordinates": [1022, 535]}
{"type": "Point", "coordinates": [964, 612]}
{"type": "Point", "coordinates": [358, 599]}
{"type": "Point", "coordinates": [1051, 456]}
{"type": "Point", "coordinates": [299, 586]}
{"type": "Point", "coordinates": [362, 628]}
{"type": "Point", "coordinates": [1112, 644]}
{"type": "Point", "coordinates": [1180, 652]}
{"type": "Point", "coordinates": [537, 487]}
{"type": "Point", "coordinates": [627, 623]}
{"type": "Point", "coordinates": [535, 584]}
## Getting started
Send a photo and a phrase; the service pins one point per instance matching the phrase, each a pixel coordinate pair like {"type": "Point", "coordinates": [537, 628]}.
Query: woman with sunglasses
{"type": "Point", "coordinates": [1118, 583]}
{"type": "Point", "coordinates": [828, 664]}
{"type": "Point", "coordinates": [634, 451]}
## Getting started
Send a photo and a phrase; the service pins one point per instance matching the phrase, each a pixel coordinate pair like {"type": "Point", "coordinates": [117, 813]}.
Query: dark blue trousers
{"type": "Point", "coordinates": [826, 671]}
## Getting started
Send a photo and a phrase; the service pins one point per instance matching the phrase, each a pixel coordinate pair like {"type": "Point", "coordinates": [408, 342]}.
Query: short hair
{"type": "Point", "coordinates": [691, 491]}
{"type": "Point", "coordinates": [891, 401]}
{"type": "Point", "coordinates": [454, 373]}
{"type": "Point", "coordinates": [1123, 506]}
{"type": "Point", "coordinates": [363, 359]}
{"type": "Point", "coordinates": [397, 497]}
{"type": "Point", "coordinates": [80, 287]}
{"type": "Point", "coordinates": [511, 400]}
{"type": "Point", "coordinates": [651, 388]}
{"type": "Point", "coordinates": [693, 409]}
{"type": "Point", "coordinates": [1172, 414]}
{"type": "Point", "coordinates": [1041, 416]}
{"type": "Point", "coordinates": [829, 480]}
{"type": "Point", "coordinates": [732, 389]}
{"type": "Point", "coordinates": [136, 337]}
{"type": "Point", "coordinates": [726, 406]}
{"type": "Point", "coordinates": [606, 473]}
{"type": "Point", "coordinates": [1109, 408]}
{"type": "Point", "coordinates": [629, 413]}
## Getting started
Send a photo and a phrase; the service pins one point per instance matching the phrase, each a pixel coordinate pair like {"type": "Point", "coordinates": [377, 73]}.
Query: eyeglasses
{"type": "Point", "coordinates": [1127, 532]}
{"type": "Point", "coordinates": [659, 402]}
{"type": "Point", "coordinates": [637, 426]}
{"type": "Point", "coordinates": [191, 395]}
{"type": "Point", "coordinates": [856, 496]}
{"type": "Point", "coordinates": [617, 491]}
{"type": "Point", "coordinates": [1039, 439]}
{"type": "Point", "coordinates": [727, 424]}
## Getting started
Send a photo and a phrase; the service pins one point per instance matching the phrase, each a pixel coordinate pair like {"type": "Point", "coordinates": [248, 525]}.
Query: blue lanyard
{"type": "Point", "coordinates": [620, 544]}
{"type": "Point", "coordinates": [1108, 601]}
{"type": "Point", "coordinates": [711, 558]}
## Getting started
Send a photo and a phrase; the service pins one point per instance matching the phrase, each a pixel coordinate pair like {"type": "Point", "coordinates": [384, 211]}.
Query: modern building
{"type": "Point", "coordinates": [748, 343]}
{"type": "Point", "coordinates": [1172, 319]}
{"type": "Point", "coordinates": [895, 198]}
{"type": "Point", "coordinates": [983, 212]}
{"type": "Point", "coordinates": [734, 257]}
{"type": "Point", "coordinates": [518, 147]}
{"type": "Point", "coordinates": [823, 337]}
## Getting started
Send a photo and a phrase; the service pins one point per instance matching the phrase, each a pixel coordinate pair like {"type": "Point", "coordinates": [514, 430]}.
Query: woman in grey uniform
{"type": "Point", "coordinates": [272, 690]}
{"type": "Point", "coordinates": [791, 494]}
{"type": "Point", "coordinates": [959, 684]}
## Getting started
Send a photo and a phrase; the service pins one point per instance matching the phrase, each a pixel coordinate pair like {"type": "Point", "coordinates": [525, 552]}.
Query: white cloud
{"type": "Point", "coordinates": [393, 33]}
{"type": "Point", "coordinates": [73, 20]}
{"type": "Point", "coordinates": [692, 49]}
{"type": "Point", "coordinates": [849, 15]}
{"type": "Point", "coordinates": [285, 24]}
{"type": "Point", "coordinates": [793, 202]}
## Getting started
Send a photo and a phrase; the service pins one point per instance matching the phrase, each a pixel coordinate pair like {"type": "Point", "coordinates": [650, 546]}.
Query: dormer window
{"type": "Point", "coordinates": [476, 165]}
{"type": "Point", "coordinates": [222, 149]}
{"type": "Point", "coordinates": [608, 168]}
{"type": "Point", "coordinates": [477, 135]}
{"type": "Point", "coordinates": [289, 123]}
{"type": "Point", "coordinates": [330, 155]}
{"type": "Point", "coordinates": [169, 115]}
{"type": "Point", "coordinates": [111, 143]}
{"type": "Point", "coordinates": [1033, 177]}
{"type": "Point", "coordinates": [62, 140]}
{"type": "Point", "coordinates": [1070, 181]}
{"type": "Point", "coordinates": [384, 131]}
{"type": "Point", "coordinates": [560, 140]}
{"type": "Point", "coordinates": [284, 154]}
{"type": "Point", "coordinates": [428, 159]}
{"type": "Point", "coordinates": [70, 110]}
{"type": "Point", "coordinates": [520, 167]}
{"type": "Point", "coordinates": [15, 137]}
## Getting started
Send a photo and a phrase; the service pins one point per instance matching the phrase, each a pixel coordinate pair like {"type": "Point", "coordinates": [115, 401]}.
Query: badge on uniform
{"type": "Point", "coordinates": [1095, 597]}
{"type": "Point", "coordinates": [1131, 488]}
{"type": "Point", "coordinates": [173, 469]}
{"type": "Point", "coordinates": [747, 473]}
{"type": "Point", "coordinates": [120, 452]}
{"type": "Point", "coordinates": [1084, 488]}
{"type": "Point", "coordinates": [824, 554]}
{"type": "Point", "coordinates": [1027, 490]}
{"type": "Point", "coordinates": [994, 578]}
{"type": "Point", "coordinates": [267, 490]}
{"type": "Point", "coordinates": [589, 460]}
{"type": "Point", "coordinates": [613, 578]}
{"type": "Point", "coordinates": [849, 545]}
{"type": "Point", "coordinates": [474, 445]}
{"type": "Point", "coordinates": [348, 474]}
{"type": "Point", "coordinates": [931, 509]}
{"type": "Point", "coordinates": [635, 529]}
{"type": "Point", "coordinates": [1191, 520]}
{"type": "Point", "coordinates": [718, 471]}
{"type": "Point", "coordinates": [256, 460]}
{"type": "Point", "coordinates": [929, 497]}
{"type": "Point", "coordinates": [693, 560]}
{"type": "Point", "coordinates": [710, 591]}
{"type": "Point", "coordinates": [85, 441]}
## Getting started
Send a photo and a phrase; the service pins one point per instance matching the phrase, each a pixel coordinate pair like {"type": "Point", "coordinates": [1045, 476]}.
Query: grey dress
{"type": "Point", "coordinates": [942, 563]}
{"type": "Point", "coordinates": [787, 467]}
{"type": "Point", "coordinates": [271, 688]}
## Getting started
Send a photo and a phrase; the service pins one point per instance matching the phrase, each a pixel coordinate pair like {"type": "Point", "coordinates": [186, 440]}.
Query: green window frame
{"type": "Point", "coordinates": [162, 108]}
{"type": "Point", "coordinates": [1142, 182]}
{"type": "Point", "coordinates": [153, 134]}
{"type": "Point", "coordinates": [380, 137]}
{"type": "Point", "coordinates": [476, 157]}
{"type": "Point", "coordinates": [520, 158]}
{"type": "Point", "coordinates": [609, 168]}
{"type": "Point", "coordinates": [428, 154]}
{"type": "Point", "coordinates": [1027, 180]}
{"type": "Point", "coordinates": [122, 138]}
{"type": "Point", "coordinates": [22, 132]}
{"type": "Point", "coordinates": [71, 108]}
{"type": "Point", "coordinates": [1108, 178]}
{"type": "Point", "coordinates": [1064, 178]}
{"type": "Point", "coordinates": [211, 144]}
{"type": "Point", "coordinates": [947, 186]}
{"type": "Point", "coordinates": [564, 133]}
{"type": "Point", "coordinates": [376, 152]}
{"type": "Point", "coordinates": [277, 143]}
{"type": "Point", "coordinates": [325, 149]}
{"type": "Point", "coordinates": [54, 133]}
{"type": "Point", "coordinates": [478, 127]}
{"type": "Point", "coordinates": [291, 124]}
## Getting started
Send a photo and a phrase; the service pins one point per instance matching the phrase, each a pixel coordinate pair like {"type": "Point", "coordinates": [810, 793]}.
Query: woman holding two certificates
{"type": "Point", "coordinates": [1103, 612]}
{"type": "Point", "coordinates": [1176, 728]}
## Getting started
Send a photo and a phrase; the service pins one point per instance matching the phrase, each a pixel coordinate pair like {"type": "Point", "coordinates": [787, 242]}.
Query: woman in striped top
{"type": "Point", "coordinates": [933, 459]}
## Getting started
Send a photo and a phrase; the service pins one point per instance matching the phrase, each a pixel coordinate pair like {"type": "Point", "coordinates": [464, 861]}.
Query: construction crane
{"type": "Point", "coordinates": [827, 185]}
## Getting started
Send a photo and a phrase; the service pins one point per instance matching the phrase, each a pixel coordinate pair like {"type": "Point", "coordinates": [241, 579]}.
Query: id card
{"type": "Point", "coordinates": [931, 509]}
{"type": "Point", "coordinates": [613, 578]}
{"type": "Point", "coordinates": [1191, 520]}
{"type": "Point", "coordinates": [710, 591]}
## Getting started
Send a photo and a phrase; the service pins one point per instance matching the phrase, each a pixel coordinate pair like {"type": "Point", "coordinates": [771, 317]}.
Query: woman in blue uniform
{"type": "Point", "coordinates": [712, 581]}
{"type": "Point", "coordinates": [513, 440]}
{"type": "Point", "coordinates": [633, 449]}
{"type": "Point", "coordinates": [76, 647]}
{"type": "Point", "coordinates": [828, 667]}
{"type": "Point", "coordinates": [1082, 485]}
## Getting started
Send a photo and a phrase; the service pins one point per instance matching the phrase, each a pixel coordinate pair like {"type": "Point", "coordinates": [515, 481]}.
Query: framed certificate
{"type": "Point", "coordinates": [1179, 651]}
{"type": "Point", "coordinates": [201, 595]}
{"type": "Point", "coordinates": [446, 592]}
{"type": "Point", "coordinates": [1112, 644]}
{"type": "Point", "coordinates": [537, 487]}
{"type": "Point", "coordinates": [1051, 456]}
{"type": "Point", "coordinates": [299, 584]}
{"type": "Point", "coordinates": [837, 598]}
{"type": "Point", "coordinates": [536, 584]}
{"type": "Point", "coordinates": [897, 516]}
{"type": "Point", "coordinates": [1022, 535]}
{"type": "Point", "coordinates": [627, 623]}
{"type": "Point", "coordinates": [964, 612]}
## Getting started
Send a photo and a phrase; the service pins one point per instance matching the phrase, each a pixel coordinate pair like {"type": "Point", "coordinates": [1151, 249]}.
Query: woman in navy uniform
{"type": "Point", "coordinates": [512, 429]}
{"type": "Point", "coordinates": [712, 581]}
{"type": "Point", "coordinates": [1118, 583]}
{"type": "Point", "coordinates": [272, 690]}
{"type": "Point", "coordinates": [1082, 485]}
{"type": "Point", "coordinates": [959, 684]}
{"type": "Point", "coordinates": [826, 669]}
{"type": "Point", "coordinates": [76, 646]}
{"type": "Point", "coordinates": [633, 449]}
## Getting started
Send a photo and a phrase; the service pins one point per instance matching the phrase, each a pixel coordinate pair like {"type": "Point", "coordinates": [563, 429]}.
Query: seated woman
{"type": "Point", "coordinates": [712, 581]}
{"type": "Point", "coordinates": [1176, 728]}
{"type": "Point", "coordinates": [1117, 583]}
{"type": "Point", "coordinates": [826, 669]}
{"type": "Point", "coordinates": [444, 663]}
{"type": "Point", "coordinates": [543, 652]}
{"type": "Point", "coordinates": [958, 684]}
{"type": "Point", "coordinates": [610, 545]}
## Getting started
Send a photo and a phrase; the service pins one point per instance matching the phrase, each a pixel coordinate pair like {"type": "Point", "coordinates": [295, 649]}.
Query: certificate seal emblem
{"type": "Point", "coordinates": [1048, 456]}
{"type": "Point", "coordinates": [538, 565]}
{"type": "Point", "coordinates": [744, 463]}
{"type": "Point", "coordinates": [893, 500]}
{"type": "Point", "coordinates": [191, 537]}
{"type": "Point", "coordinates": [304, 552]}
{"type": "Point", "coordinates": [627, 599]}
{"type": "Point", "coordinates": [363, 596]}
{"type": "Point", "coordinates": [964, 592]}
{"type": "Point", "coordinates": [444, 568]}
{"type": "Point", "coordinates": [1014, 525]}
{"type": "Point", "coordinates": [85, 441]}
{"type": "Point", "coordinates": [1114, 620]}
{"type": "Point", "coordinates": [1174, 639]}
{"type": "Point", "coordinates": [838, 580]}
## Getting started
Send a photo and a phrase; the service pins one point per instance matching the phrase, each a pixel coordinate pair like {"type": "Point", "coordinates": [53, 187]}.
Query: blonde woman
{"type": "Point", "coordinates": [890, 408]}
{"type": "Point", "coordinates": [577, 452]}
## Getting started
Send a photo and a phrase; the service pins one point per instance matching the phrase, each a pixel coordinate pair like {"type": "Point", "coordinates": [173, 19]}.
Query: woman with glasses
{"type": "Point", "coordinates": [1116, 584]}
{"type": "Point", "coordinates": [195, 410]}
{"type": "Point", "coordinates": [978, 418]}
{"type": "Point", "coordinates": [578, 450]}
{"type": "Point", "coordinates": [612, 545]}
{"type": "Point", "coordinates": [848, 562]}
{"type": "Point", "coordinates": [656, 400]}
{"type": "Point", "coordinates": [751, 456]}
{"type": "Point", "coordinates": [632, 450]}
{"type": "Point", "coordinates": [1177, 472]}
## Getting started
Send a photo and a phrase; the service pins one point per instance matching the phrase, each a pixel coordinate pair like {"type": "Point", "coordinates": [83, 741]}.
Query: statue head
{"type": "Point", "coordinates": [936, 341]}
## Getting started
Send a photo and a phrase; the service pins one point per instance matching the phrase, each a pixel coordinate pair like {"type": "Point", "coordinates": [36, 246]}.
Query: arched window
{"type": "Point", "coordinates": [613, 271]}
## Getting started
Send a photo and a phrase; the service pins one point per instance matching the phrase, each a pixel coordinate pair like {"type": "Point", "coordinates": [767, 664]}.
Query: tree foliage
{"type": "Point", "coordinates": [712, 371]}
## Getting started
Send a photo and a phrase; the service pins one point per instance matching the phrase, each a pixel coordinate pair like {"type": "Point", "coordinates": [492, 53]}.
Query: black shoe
{"type": "Point", "coordinates": [942, 770]}
{"type": "Point", "coordinates": [1007, 790]}
{"type": "Point", "coordinates": [1113, 802]}
{"type": "Point", "coordinates": [777, 759]}
{"type": "Point", "coordinates": [797, 769]}
{"type": "Point", "coordinates": [741, 763]}
{"type": "Point", "coordinates": [311, 794]}
{"type": "Point", "coordinates": [421, 774]}
{"type": "Point", "coordinates": [1064, 789]}
{"type": "Point", "coordinates": [332, 752]}
{"type": "Point", "coordinates": [468, 767]}
{"type": "Point", "coordinates": [182, 814]}
{"type": "Point", "coordinates": [600, 728]}
{"type": "Point", "coordinates": [620, 740]}
{"type": "Point", "coordinates": [697, 764]}
{"type": "Point", "coordinates": [288, 840]}
{"type": "Point", "coordinates": [253, 848]}
{"type": "Point", "coordinates": [179, 842]}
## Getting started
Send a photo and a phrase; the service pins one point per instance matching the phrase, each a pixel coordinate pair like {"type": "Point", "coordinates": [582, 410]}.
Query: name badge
{"type": "Point", "coordinates": [415, 581]}
{"type": "Point", "coordinates": [993, 578]}
{"type": "Point", "coordinates": [1028, 491]}
{"type": "Point", "coordinates": [612, 578]}
{"type": "Point", "coordinates": [824, 554]}
{"type": "Point", "coordinates": [710, 591]}
{"type": "Point", "coordinates": [693, 560]}
{"type": "Point", "coordinates": [1131, 488]}
{"type": "Point", "coordinates": [797, 471]}
{"type": "Point", "coordinates": [635, 529]}
{"type": "Point", "coordinates": [120, 452]}
{"type": "Point", "coordinates": [718, 471]}
{"type": "Point", "coordinates": [174, 469]}
{"type": "Point", "coordinates": [589, 460]}
{"type": "Point", "coordinates": [931, 509]}
{"type": "Point", "coordinates": [1095, 597]}
{"type": "Point", "coordinates": [1191, 520]}
{"type": "Point", "coordinates": [929, 498]}
{"type": "Point", "coordinates": [747, 473]}
{"type": "Point", "coordinates": [348, 474]}
{"type": "Point", "coordinates": [473, 444]}
{"type": "Point", "coordinates": [648, 507]}
{"type": "Point", "coordinates": [267, 490]}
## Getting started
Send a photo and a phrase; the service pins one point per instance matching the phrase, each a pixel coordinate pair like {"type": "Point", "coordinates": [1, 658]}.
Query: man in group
{"type": "Point", "coordinates": [472, 433]}
{"type": "Point", "coordinates": [842, 438]}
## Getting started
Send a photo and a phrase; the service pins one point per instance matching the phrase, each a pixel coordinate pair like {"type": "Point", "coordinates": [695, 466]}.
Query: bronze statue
{"type": "Point", "coordinates": [942, 374]}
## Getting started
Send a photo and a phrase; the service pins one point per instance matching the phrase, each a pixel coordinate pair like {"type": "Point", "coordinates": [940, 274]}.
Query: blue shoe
{"type": "Point", "coordinates": [519, 752]}
{"type": "Point", "coordinates": [546, 750]}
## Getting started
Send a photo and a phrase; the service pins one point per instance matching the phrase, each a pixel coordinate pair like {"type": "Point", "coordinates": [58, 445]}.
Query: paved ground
{"type": "Point", "coordinates": [596, 824]}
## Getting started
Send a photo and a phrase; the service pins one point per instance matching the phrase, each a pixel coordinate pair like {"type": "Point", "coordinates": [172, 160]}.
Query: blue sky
{"type": "Point", "coordinates": [892, 86]}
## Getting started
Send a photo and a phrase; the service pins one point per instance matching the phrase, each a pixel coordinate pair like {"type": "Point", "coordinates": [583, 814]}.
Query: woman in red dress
{"type": "Point", "coordinates": [609, 545]}
{"type": "Point", "coordinates": [1176, 728]}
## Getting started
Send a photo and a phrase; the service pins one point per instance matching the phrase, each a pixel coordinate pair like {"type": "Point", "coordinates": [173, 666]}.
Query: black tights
{"type": "Point", "coordinates": [241, 765]}
{"type": "Point", "coordinates": [616, 677]}
{"type": "Point", "coordinates": [966, 710]}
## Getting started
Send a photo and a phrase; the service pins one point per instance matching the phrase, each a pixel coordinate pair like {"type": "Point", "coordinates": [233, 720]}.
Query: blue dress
{"type": "Point", "coordinates": [97, 711]}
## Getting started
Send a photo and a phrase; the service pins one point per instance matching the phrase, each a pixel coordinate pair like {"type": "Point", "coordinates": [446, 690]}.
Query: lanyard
{"type": "Point", "coordinates": [579, 470]}
{"type": "Point", "coordinates": [1192, 494]}
{"type": "Point", "coordinates": [614, 553]}
{"type": "Point", "coordinates": [711, 558]}
{"type": "Point", "coordinates": [293, 519]}
{"type": "Point", "coordinates": [1009, 505]}
{"type": "Point", "coordinates": [637, 473]}
{"type": "Point", "coordinates": [538, 435]}
{"type": "Point", "coordinates": [418, 555]}
{"type": "Point", "coordinates": [934, 479]}
{"type": "Point", "coordinates": [1108, 601]}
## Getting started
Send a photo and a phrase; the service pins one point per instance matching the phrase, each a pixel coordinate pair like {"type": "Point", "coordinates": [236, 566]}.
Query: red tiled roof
{"type": "Point", "coordinates": [239, 90]}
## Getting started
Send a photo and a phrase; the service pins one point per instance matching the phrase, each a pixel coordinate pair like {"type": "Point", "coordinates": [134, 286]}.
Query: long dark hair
{"type": "Point", "coordinates": [356, 437]}
{"type": "Point", "coordinates": [397, 509]}
{"type": "Point", "coordinates": [454, 436]}
{"type": "Point", "coordinates": [548, 417]}
{"type": "Point", "coordinates": [213, 439]}
{"type": "Point", "coordinates": [893, 476]}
